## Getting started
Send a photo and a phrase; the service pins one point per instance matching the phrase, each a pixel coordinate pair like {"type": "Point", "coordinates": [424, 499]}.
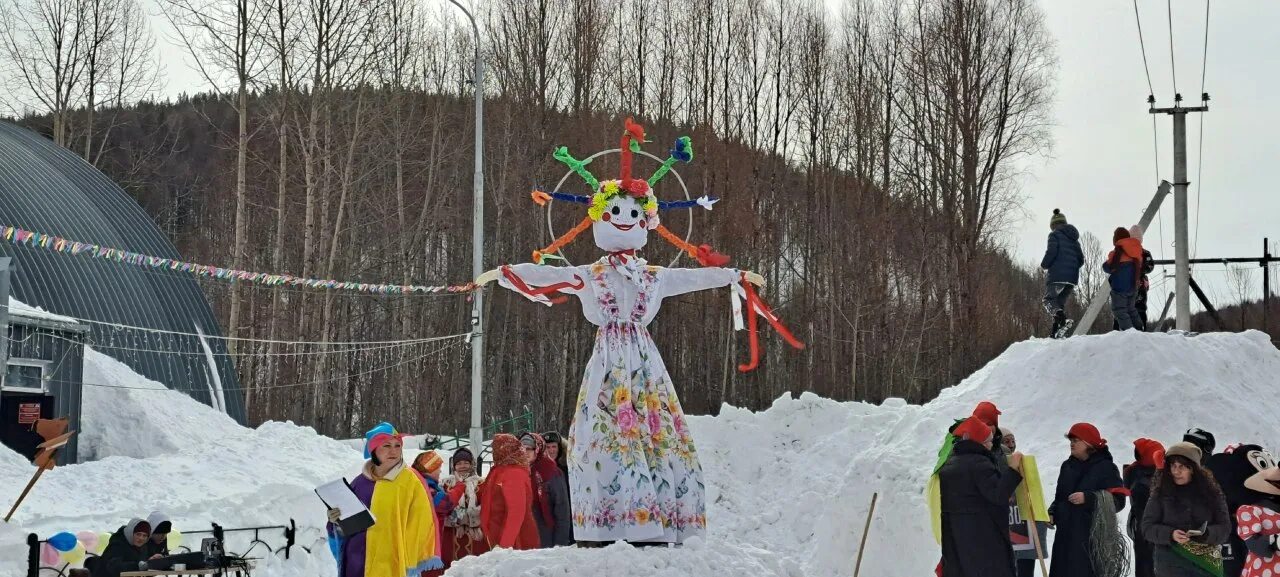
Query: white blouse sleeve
{"type": "Point", "coordinates": [523, 278]}
{"type": "Point", "coordinates": [678, 281]}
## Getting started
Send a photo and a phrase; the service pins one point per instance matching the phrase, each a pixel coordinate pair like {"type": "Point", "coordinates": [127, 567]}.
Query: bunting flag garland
{"type": "Point", "coordinates": [31, 239]}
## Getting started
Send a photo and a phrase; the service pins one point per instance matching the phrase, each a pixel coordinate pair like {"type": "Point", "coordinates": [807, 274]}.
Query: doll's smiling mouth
{"type": "Point", "coordinates": [623, 227]}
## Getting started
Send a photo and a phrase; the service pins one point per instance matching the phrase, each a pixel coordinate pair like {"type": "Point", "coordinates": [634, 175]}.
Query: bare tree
{"type": "Point", "coordinates": [119, 64]}
{"type": "Point", "coordinates": [1241, 279]}
{"type": "Point", "coordinates": [219, 34]}
{"type": "Point", "coordinates": [42, 53]}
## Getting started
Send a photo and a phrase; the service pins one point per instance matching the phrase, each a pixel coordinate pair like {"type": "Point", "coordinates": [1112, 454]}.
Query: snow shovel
{"type": "Point", "coordinates": [857, 568]}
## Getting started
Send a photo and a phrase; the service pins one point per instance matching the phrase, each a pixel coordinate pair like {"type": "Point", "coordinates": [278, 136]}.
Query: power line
{"type": "Point", "coordinates": [342, 378]}
{"type": "Point", "coordinates": [1172, 65]}
{"type": "Point", "coordinates": [250, 340]}
{"type": "Point", "coordinates": [1143, 45]}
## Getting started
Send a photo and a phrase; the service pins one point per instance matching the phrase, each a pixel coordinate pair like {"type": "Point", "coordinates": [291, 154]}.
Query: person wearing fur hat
{"type": "Point", "coordinates": [404, 540]}
{"type": "Point", "coordinates": [463, 536]}
{"type": "Point", "coordinates": [975, 505]}
{"type": "Point", "coordinates": [1186, 518]}
{"type": "Point", "coordinates": [1124, 264]}
{"type": "Point", "coordinates": [126, 551]}
{"type": "Point", "coordinates": [506, 498]}
{"type": "Point", "coordinates": [1090, 492]}
{"type": "Point", "coordinates": [558, 450]}
{"type": "Point", "coordinates": [550, 494]}
{"type": "Point", "coordinates": [1062, 261]}
{"type": "Point", "coordinates": [1148, 457]}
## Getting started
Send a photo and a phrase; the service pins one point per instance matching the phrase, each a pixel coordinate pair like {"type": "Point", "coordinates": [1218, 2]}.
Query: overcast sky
{"type": "Point", "coordinates": [1102, 172]}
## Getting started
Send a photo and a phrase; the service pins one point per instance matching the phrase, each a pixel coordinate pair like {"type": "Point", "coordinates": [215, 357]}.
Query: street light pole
{"type": "Point", "coordinates": [477, 250]}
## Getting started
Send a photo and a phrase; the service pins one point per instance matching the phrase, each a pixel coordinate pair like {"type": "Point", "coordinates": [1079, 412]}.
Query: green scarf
{"type": "Point", "coordinates": [1207, 558]}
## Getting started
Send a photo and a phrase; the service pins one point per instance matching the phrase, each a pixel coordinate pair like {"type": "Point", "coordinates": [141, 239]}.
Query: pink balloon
{"type": "Point", "coordinates": [89, 538]}
{"type": "Point", "coordinates": [49, 556]}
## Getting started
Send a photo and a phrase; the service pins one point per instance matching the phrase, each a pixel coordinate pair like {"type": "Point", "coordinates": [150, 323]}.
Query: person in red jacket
{"type": "Point", "coordinates": [506, 498]}
{"type": "Point", "coordinates": [1124, 264]}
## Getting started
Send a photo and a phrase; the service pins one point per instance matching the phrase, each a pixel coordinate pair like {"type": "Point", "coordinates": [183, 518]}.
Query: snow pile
{"type": "Point", "coordinates": [21, 309]}
{"type": "Point", "coordinates": [146, 419]}
{"type": "Point", "coordinates": [788, 488]}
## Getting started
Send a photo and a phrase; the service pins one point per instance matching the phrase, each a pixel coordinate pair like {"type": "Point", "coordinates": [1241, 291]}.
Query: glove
{"type": "Point", "coordinates": [335, 515]}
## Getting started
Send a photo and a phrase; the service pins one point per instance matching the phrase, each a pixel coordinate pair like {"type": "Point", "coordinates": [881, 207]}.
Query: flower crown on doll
{"type": "Point", "coordinates": [639, 189]}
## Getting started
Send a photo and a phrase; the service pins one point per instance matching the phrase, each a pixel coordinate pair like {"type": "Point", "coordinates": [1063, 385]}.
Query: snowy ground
{"type": "Point", "coordinates": [788, 488]}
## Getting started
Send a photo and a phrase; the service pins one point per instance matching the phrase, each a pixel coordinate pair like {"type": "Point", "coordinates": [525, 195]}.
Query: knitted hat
{"type": "Point", "coordinates": [1136, 231]}
{"type": "Point", "coordinates": [1087, 433]}
{"type": "Point", "coordinates": [429, 461]}
{"type": "Point", "coordinates": [1057, 219]}
{"type": "Point", "coordinates": [1121, 233]}
{"type": "Point", "coordinates": [462, 454]}
{"type": "Point", "coordinates": [379, 436]}
{"type": "Point", "coordinates": [1149, 453]}
{"type": "Point", "coordinates": [1200, 438]}
{"type": "Point", "coordinates": [973, 429]}
{"type": "Point", "coordinates": [987, 412]}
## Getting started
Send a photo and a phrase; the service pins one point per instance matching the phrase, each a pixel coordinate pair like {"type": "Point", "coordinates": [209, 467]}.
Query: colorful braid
{"type": "Point", "coordinates": [565, 239]}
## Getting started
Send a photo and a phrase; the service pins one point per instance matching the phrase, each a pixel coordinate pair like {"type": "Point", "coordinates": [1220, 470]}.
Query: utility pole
{"type": "Point", "coordinates": [477, 252]}
{"type": "Point", "coordinates": [1182, 254]}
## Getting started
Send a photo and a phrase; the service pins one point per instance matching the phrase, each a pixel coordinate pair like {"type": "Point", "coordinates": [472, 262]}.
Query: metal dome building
{"type": "Point", "coordinates": [48, 189]}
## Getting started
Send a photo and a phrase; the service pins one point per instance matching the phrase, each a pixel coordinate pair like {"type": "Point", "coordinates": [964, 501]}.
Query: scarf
{"type": "Point", "coordinates": [466, 515]}
{"type": "Point", "coordinates": [1207, 558]}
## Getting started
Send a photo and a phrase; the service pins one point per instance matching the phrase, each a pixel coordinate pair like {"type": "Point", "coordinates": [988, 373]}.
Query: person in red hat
{"type": "Point", "coordinates": [975, 505]}
{"type": "Point", "coordinates": [987, 412]}
{"type": "Point", "coordinates": [1148, 457]}
{"type": "Point", "coordinates": [1089, 542]}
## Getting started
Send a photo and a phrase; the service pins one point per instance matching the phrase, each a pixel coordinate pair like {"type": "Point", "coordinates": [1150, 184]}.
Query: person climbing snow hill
{"type": "Point", "coordinates": [1124, 264]}
{"type": "Point", "coordinates": [1062, 261]}
{"type": "Point", "coordinates": [1088, 542]}
{"type": "Point", "coordinates": [975, 505]}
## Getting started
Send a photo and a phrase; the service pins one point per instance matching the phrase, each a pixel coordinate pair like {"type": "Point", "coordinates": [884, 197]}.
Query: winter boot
{"type": "Point", "coordinates": [1063, 325]}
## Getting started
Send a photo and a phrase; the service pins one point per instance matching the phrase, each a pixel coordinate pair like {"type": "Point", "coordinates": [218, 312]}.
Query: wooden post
{"type": "Point", "coordinates": [1034, 528]}
{"type": "Point", "coordinates": [1266, 286]}
{"type": "Point", "coordinates": [866, 528]}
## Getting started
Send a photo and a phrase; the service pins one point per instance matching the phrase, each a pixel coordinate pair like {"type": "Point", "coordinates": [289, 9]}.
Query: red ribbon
{"type": "Point", "coordinates": [517, 282]}
{"type": "Point", "coordinates": [621, 257]}
{"type": "Point", "coordinates": [755, 303]}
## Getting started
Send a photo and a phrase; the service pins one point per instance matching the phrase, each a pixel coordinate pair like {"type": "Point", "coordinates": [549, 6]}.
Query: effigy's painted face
{"type": "Point", "coordinates": [624, 225]}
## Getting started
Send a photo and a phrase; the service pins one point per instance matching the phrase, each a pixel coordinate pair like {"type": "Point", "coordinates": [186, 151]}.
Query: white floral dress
{"type": "Point", "coordinates": [633, 471]}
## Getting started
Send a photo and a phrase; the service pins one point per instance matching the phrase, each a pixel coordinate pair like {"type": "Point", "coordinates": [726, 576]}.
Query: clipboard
{"type": "Point", "coordinates": [356, 517]}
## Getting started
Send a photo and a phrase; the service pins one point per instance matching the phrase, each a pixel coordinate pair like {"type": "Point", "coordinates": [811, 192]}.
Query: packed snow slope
{"type": "Point", "coordinates": [788, 487]}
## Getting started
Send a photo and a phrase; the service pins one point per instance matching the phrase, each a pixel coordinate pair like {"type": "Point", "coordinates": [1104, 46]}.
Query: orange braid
{"type": "Point", "coordinates": [564, 239]}
{"type": "Point", "coordinates": [677, 241]}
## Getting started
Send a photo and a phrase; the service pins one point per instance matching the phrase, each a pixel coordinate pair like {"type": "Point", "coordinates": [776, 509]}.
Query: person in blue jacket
{"type": "Point", "coordinates": [1062, 261]}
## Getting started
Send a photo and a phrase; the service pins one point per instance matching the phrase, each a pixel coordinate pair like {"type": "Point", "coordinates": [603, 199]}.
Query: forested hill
{"type": "Point", "coordinates": [851, 174]}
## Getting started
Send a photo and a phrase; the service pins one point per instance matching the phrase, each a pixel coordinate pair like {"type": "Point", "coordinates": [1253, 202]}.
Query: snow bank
{"type": "Point", "coordinates": [146, 419]}
{"type": "Point", "coordinates": [788, 487]}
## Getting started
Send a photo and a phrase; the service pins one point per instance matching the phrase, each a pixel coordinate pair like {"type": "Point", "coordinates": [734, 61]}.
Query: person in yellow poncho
{"type": "Point", "coordinates": [403, 539]}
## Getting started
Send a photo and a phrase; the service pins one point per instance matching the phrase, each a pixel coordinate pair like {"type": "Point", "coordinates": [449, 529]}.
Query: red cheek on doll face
{"type": "Point", "coordinates": [606, 217]}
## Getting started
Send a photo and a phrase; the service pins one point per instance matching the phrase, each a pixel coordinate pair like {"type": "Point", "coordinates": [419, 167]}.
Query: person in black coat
{"type": "Point", "coordinates": [1062, 261]}
{"type": "Point", "coordinates": [1148, 456]}
{"type": "Point", "coordinates": [975, 496]}
{"type": "Point", "coordinates": [126, 551]}
{"type": "Point", "coordinates": [1089, 470]}
{"type": "Point", "coordinates": [1186, 500]}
